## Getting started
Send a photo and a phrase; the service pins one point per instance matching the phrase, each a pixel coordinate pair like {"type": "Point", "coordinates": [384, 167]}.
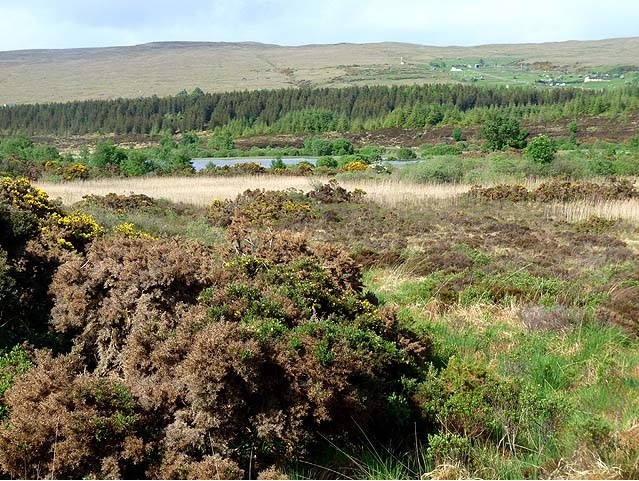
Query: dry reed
{"type": "Point", "coordinates": [201, 191]}
{"type": "Point", "coordinates": [580, 210]}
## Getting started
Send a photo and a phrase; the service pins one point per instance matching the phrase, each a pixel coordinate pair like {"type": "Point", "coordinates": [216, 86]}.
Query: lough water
{"type": "Point", "coordinates": [200, 164]}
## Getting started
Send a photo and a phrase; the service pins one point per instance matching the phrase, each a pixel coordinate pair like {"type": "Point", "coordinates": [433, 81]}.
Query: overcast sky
{"type": "Point", "coordinates": [28, 24]}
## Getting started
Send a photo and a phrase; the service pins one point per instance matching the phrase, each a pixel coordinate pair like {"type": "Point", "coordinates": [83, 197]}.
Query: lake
{"type": "Point", "coordinates": [200, 164]}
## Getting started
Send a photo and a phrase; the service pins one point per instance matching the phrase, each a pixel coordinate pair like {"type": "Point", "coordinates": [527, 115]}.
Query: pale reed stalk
{"type": "Point", "coordinates": [578, 211]}
{"type": "Point", "coordinates": [200, 191]}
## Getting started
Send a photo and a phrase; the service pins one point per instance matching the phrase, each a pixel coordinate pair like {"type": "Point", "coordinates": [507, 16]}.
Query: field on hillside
{"type": "Point", "coordinates": [131, 72]}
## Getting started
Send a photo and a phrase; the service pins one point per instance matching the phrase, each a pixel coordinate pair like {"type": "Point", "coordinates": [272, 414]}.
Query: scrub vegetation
{"type": "Point", "coordinates": [302, 337]}
{"type": "Point", "coordinates": [468, 311]}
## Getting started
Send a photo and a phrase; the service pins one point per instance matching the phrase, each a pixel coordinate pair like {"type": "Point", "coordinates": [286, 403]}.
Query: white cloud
{"type": "Point", "coordinates": [75, 23]}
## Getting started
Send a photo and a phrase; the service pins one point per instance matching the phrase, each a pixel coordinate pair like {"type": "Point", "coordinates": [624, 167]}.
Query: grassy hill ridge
{"type": "Point", "coordinates": [165, 68]}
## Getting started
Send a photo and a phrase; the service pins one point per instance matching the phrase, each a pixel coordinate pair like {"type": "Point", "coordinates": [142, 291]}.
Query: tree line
{"type": "Point", "coordinates": [309, 110]}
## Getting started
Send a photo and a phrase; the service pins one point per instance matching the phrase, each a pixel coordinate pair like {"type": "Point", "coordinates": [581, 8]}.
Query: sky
{"type": "Point", "coordinates": [35, 24]}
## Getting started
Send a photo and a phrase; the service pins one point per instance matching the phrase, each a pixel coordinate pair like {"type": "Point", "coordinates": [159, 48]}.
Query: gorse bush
{"type": "Point", "coordinates": [121, 203]}
{"type": "Point", "coordinates": [36, 235]}
{"type": "Point", "coordinates": [185, 359]}
{"type": "Point", "coordinates": [356, 166]}
{"type": "Point", "coordinates": [128, 229]}
{"type": "Point", "coordinates": [266, 207]}
{"type": "Point", "coordinates": [72, 231]}
{"type": "Point", "coordinates": [20, 193]}
{"type": "Point", "coordinates": [84, 425]}
{"type": "Point", "coordinates": [259, 206]}
{"type": "Point", "coordinates": [561, 191]}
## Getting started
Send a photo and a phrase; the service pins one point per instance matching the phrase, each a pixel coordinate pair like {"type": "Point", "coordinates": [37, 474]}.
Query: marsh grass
{"type": "Point", "coordinates": [200, 191]}
{"type": "Point", "coordinates": [585, 372]}
{"type": "Point", "coordinates": [611, 210]}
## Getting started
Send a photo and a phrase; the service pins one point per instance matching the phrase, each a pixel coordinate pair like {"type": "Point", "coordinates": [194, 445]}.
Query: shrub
{"type": "Point", "coordinates": [501, 132]}
{"type": "Point", "coordinates": [73, 231]}
{"type": "Point", "coordinates": [248, 168]}
{"type": "Point", "coordinates": [136, 163]}
{"type": "Point", "coordinates": [13, 363]}
{"type": "Point", "coordinates": [356, 166]}
{"type": "Point", "coordinates": [327, 161]}
{"type": "Point", "coordinates": [406, 154]}
{"type": "Point", "coordinates": [121, 203]}
{"type": "Point", "coordinates": [370, 154]}
{"type": "Point", "coordinates": [107, 155]}
{"type": "Point", "coordinates": [66, 424]}
{"type": "Point", "coordinates": [560, 191]}
{"type": "Point", "coordinates": [31, 247]}
{"type": "Point", "coordinates": [441, 169]}
{"type": "Point", "coordinates": [278, 164]}
{"type": "Point", "coordinates": [512, 192]}
{"type": "Point", "coordinates": [253, 356]}
{"type": "Point", "coordinates": [127, 229]}
{"type": "Point", "coordinates": [440, 149]}
{"type": "Point", "coordinates": [342, 147]}
{"type": "Point", "coordinates": [318, 146]}
{"type": "Point", "coordinates": [259, 206]}
{"type": "Point", "coordinates": [564, 191]}
{"type": "Point", "coordinates": [21, 194]}
{"type": "Point", "coordinates": [471, 404]}
{"type": "Point", "coordinates": [542, 149]}
{"type": "Point", "coordinates": [333, 193]}
{"type": "Point", "coordinates": [67, 171]}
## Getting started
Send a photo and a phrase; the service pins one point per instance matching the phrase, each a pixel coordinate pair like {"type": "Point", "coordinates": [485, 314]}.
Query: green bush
{"type": "Point", "coordinates": [406, 154]}
{"type": "Point", "coordinates": [327, 161]}
{"type": "Point", "coordinates": [370, 154]}
{"type": "Point", "coordinates": [439, 169]}
{"type": "Point", "coordinates": [472, 403]}
{"type": "Point", "coordinates": [502, 132]}
{"type": "Point", "coordinates": [440, 149]}
{"type": "Point", "coordinates": [13, 363]}
{"type": "Point", "coordinates": [135, 163]}
{"type": "Point", "coordinates": [542, 149]}
{"type": "Point", "coordinates": [106, 154]}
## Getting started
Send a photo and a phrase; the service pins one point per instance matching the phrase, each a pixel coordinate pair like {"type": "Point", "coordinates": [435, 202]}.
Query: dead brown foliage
{"type": "Point", "coordinates": [190, 363]}
{"type": "Point", "coordinates": [66, 423]}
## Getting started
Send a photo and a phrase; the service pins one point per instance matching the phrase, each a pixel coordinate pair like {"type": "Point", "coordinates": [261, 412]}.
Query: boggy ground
{"type": "Point", "coordinates": [533, 321]}
{"type": "Point", "coordinates": [502, 339]}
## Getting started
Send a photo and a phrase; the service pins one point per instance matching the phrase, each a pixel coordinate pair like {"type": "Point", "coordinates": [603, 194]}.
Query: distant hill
{"type": "Point", "coordinates": [166, 68]}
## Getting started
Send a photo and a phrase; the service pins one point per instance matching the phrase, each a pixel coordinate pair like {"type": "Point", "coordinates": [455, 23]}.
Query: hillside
{"type": "Point", "coordinates": [166, 68]}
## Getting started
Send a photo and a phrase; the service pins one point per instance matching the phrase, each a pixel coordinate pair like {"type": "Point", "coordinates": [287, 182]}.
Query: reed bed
{"type": "Point", "coordinates": [612, 210]}
{"type": "Point", "coordinates": [200, 191]}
